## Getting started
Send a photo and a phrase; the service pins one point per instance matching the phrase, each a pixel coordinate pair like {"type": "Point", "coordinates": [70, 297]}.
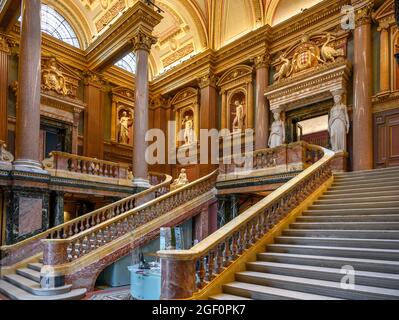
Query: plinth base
{"type": "Point", "coordinates": [340, 162]}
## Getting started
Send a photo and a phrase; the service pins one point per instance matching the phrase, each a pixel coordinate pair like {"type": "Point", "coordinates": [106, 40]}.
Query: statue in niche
{"type": "Point", "coordinates": [125, 122]}
{"type": "Point", "coordinates": [338, 124]}
{"type": "Point", "coordinates": [277, 134]}
{"type": "Point", "coordinates": [188, 125]}
{"type": "Point", "coordinates": [181, 181]}
{"type": "Point", "coordinates": [238, 122]}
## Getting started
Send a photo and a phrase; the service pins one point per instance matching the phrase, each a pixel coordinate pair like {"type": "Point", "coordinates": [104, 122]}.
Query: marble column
{"type": "Point", "coordinates": [384, 58]}
{"type": "Point", "coordinates": [4, 56]}
{"type": "Point", "coordinates": [262, 108]}
{"type": "Point", "coordinates": [28, 110]}
{"type": "Point", "coordinates": [93, 115]}
{"type": "Point", "coordinates": [362, 89]}
{"type": "Point", "coordinates": [142, 43]}
{"type": "Point", "coordinates": [208, 113]}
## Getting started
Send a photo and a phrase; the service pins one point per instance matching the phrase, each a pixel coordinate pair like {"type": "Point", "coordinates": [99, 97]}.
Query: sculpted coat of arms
{"type": "Point", "coordinates": [53, 78]}
{"type": "Point", "coordinates": [306, 55]}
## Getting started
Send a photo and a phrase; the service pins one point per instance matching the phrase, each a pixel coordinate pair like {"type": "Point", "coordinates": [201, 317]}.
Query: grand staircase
{"type": "Point", "coordinates": [355, 224]}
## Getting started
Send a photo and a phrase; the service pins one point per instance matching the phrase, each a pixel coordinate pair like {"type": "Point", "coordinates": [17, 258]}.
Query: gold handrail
{"type": "Point", "coordinates": [81, 222]}
{"type": "Point", "coordinates": [222, 247]}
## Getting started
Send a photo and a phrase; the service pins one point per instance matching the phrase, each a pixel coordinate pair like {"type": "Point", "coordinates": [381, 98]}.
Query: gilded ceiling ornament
{"type": "Point", "coordinates": [53, 78]}
{"type": "Point", "coordinates": [143, 41]}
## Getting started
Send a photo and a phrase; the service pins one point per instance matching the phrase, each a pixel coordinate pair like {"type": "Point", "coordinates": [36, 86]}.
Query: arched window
{"type": "Point", "coordinates": [128, 63]}
{"type": "Point", "coordinates": [55, 25]}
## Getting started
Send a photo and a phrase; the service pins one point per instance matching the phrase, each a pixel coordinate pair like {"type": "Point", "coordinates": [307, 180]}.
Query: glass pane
{"type": "Point", "coordinates": [128, 63]}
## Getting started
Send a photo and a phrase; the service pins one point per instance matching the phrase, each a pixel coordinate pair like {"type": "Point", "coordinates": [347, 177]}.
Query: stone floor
{"type": "Point", "coordinates": [121, 293]}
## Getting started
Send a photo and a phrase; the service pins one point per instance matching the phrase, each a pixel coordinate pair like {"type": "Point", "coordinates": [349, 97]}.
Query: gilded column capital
{"type": "Point", "coordinates": [92, 78]}
{"type": "Point", "coordinates": [364, 12]}
{"type": "Point", "coordinates": [383, 26]}
{"type": "Point", "coordinates": [262, 61]}
{"type": "Point", "coordinates": [5, 45]}
{"type": "Point", "coordinates": [143, 41]}
{"type": "Point", "coordinates": [207, 80]}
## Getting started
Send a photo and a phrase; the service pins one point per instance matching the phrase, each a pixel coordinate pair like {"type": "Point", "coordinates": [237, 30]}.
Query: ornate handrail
{"type": "Point", "coordinates": [90, 220]}
{"type": "Point", "coordinates": [208, 258]}
{"type": "Point", "coordinates": [60, 252]}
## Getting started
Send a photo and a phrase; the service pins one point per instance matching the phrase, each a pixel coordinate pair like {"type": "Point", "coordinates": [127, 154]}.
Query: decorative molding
{"type": "Point", "coordinates": [143, 41]}
{"type": "Point", "coordinates": [207, 80]}
{"type": "Point", "coordinates": [364, 13]}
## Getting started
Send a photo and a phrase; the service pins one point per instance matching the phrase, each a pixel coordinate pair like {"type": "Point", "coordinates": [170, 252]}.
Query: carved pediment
{"type": "Point", "coordinates": [185, 96]}
{"type": "Point", "coordinates": [59, 78]}
{"type": "Point", "coordinates": [309, 54]}
{"type": "Point", "coordinates": [386, 11]}
{"type": "Point", "coordinates": [236, 76]}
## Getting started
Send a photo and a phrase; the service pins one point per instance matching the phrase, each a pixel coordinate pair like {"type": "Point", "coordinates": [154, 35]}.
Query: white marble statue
{"type": "Point", "coordinates": [277, 134]}
{"type": "Point", "coordinates": [124, 123]}
{"type": "Point", "coordinates": [338, 124]}
{"type": "Point", "coordinates": [189, 135]}
{"type": "Point", "coordinates": [181, 181]}
{"type": "Point", "coordinates": [238, 123]}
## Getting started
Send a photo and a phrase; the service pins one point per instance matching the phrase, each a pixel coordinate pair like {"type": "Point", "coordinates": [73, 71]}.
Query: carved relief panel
{"type": "Point", "coordinates": [236, 88]}
{"type": "Point", "coordinates": [122, 116]}
{"type": "Point", "coordinates": [186, 108]}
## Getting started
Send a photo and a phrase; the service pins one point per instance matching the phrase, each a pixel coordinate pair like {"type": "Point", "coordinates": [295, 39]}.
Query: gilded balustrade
{"type": "Point", "coordinates": [202, 264]}
{"type": "Point", "coordinates": [59, 252]}
{"type": "Point", "coordinates": [15, 253]}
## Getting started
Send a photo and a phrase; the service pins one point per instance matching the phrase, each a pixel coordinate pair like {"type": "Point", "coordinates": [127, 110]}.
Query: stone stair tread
{"type": "Point", "coordinates": [333, 248]}
{"type": "Point", "coordinates": [345, 223]}
{"type": "Point", "coordinates": [16, 293]}
{"type": "Point", "coordinates": [322, 200]}
{"type": "Point", "coordinates": [260, 289]}
{"type": "Point", "coordinates": [320, 283]}
{"type": "Point", "coordinates": [371, 171]}
{"type": "Point", "coordinates": [324, 269]}
{"type": "Point", "coordinates": [356, 190]}
{"type": "Point", "coordinates": [35, 266]}
{"type": "Point", "coordinates": [345, 260]}
{"type": "Point", "coordinates": [359, 210]}
{"type": "Point", "coordinates": [29, 273]}
{"type": "Point", "coordinates": [228, 297]}
{"type": "Point", "coordinates": [389, 204]}
{"type": "Point", "coordinates": [34, 287]}
{"type": "Point", "coordinates": [353, 240]}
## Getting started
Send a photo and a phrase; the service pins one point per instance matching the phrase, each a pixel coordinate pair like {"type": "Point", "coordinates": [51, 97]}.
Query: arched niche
{"type": "Point", "coordinates": [122, 116]}
{"type": "Point", "coordinates": [186, 104]}
{"type": "Point", "coordinates": [237, 85]}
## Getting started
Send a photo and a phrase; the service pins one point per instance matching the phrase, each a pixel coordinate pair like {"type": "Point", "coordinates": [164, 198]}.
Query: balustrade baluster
{"type": "Point", "coordinates": [211, 265]}
{"type": "Point", "coordinates": [226, 253]}
{"type": "Point", "coordinates": [201, 272]}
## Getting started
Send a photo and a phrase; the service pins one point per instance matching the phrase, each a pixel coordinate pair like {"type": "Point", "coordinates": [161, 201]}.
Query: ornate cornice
{"type": "Point", "coordinates": [5, 45]}
{"type": "Point", "coordinates": [92, 78]}
{"type": "Point", "coordinates": [143, 41]}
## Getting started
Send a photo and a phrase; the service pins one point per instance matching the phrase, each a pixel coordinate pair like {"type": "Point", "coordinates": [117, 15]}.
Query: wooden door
{"type": "Point", "coordinates": [386, 139]}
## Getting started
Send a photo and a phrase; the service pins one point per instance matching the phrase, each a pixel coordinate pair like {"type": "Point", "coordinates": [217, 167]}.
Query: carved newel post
{"type": "Point", "coordinates": [142, 43]}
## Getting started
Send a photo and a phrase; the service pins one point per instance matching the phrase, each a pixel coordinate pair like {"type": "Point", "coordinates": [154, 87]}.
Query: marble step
{"type": "Point", "coordinates": [387, 180]}
{"type": "Point", "coordinates": [340, 242]}
{"type": "Point", "coordinates": [368, 173]}
{"type": "Point", "coordinates": [360, 205]}
{"type": "Point", "coordinates": [261, 292]}
{"type": "Point", "coordinates": [33, 287]}
{"type": "Point", "coordinates": [372, 265]}
{"type": "Point", "coordinates": [315, 286]}
{"type": "Point", "coordinates": [351, 199]}
{"type": "Point", "coordinates": [344, 212]}
{"type": "Point", "coordinates": [355, 234]}
{"type": "Point", "coordinates": [14, 292]}
{"type": "Point", "coordinates": [366, 278]}
{"type": "Point", "coordinates": [346, 252]}
{"type": "Point", "coordinates": [37, 266]}
{"type": "Point", "coordinates": [228, 297]}
{"type": "Point", "coordinates": [354, 190]}
{"type": "Point", "coordinates": [30, 274]}
{"type": "Point", "coordinates": [362, 187]}
{"type": "Point", "coordinates": [347, 225]}
{"type": "Point", "coordinates": [350, 218]}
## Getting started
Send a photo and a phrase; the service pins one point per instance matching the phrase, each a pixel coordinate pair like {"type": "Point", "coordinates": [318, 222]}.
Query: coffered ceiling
{"type": "Point", "coordinates": [189, 26]}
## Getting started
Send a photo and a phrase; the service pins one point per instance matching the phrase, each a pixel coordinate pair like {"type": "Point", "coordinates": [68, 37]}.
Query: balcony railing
{"type": "Point", "coordinates": [66, 165]}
